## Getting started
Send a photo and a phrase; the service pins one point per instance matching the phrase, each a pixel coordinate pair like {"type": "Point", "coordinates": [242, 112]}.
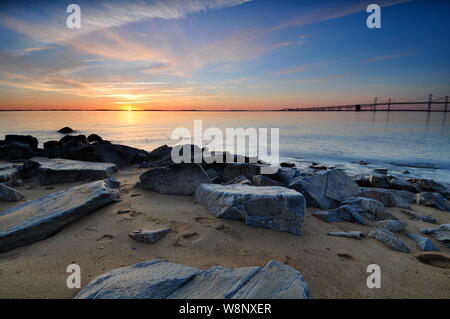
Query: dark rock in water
{"type": "Point", "coordinates": [350, 234]}
{"type": "Point", "coordinates": [368, 205]}
{"type": "Point", "coordinates": [389, 239]}
{"type": "Point", "coordinates": [160, 156]}
{"type": "Point", "coordinates": [149, 236]}
{"type": "Point", "coordinates": [53, 171]}
{"type": "Point", "coordinates": [285, 175]}
{"type": "Point", "coordinates": [441, 234]}
{"type": "Point", "coordinates": [176, 179]}
{"type": "Point", "coordinates": [287, 164]}
{"type": "Point", "coordinates": [9, 195]}
{"type": "Point", "coordinates": [382, 171]}
{"type": "Point", "coordinates": [317, 166]}
{"type": "Point", "coordinates": [160, 279]}
{"type": "Point", "coordinates": [262, 180]}
{"type": "Point", "coordinates": [416, 216]}
{"type": "Point", "coordinates": [50, 145]}
{"type": "Point", "coordinates": [41, 218]}
{"type": "Point", "coordinates": [66, 130]}
{"type": "Point", "coordinates": [233, 170]}
{"type": "Point", "coordinates": [271, 207]}
{"type": "Point", "coordinates": [325, 189]}
{"type": "Point", "coordinates": [433, 200]}
{"type": "Point", "coordinates": [361, 163]}
{"type": "Point", "coordinates": [406, 172]}
{"type": "Point", "coordinates": [74, 141]}
{"type": "Point", "coordinates": [242, 180]}
{"type": "Point", "coordinates": [391, 225]}
{"type": "Point", "coordinates": [94, 138]}
{"type": "Point", "coordinates": [423, 243]}
{"type": "Point", "coordinates": [401, 184]}
{"type": "Point", "coordinates": [22, 140]}
{"type": "Point", "coordinates": [389, 197]}
{"type": "Point", "coordinates": [379, 181]}
{"type": "Point", "coordinates": [429, 185]}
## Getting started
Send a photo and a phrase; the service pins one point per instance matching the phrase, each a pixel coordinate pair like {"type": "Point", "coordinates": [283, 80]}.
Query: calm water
{"type": "Point", "coordinates": [336, 138]}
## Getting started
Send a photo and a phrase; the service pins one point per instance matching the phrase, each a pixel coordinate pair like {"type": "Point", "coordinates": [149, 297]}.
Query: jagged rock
{"type": "Point", "coordinates": [239, 180]}
{"type": "Point", "coordinates": [429, 185]}
{"type": "Point", "coordinates": [214, 175]}
{"type": "Point", "coordinates": [344, 213]}
{"type": "Point", "coordinates": [285, 175]}
{"type": "Point", "coordinates": [389, 239]}
{"type": "Point", "coordinates": [389, 197]}
{"type": "Point", "coordinates": [22, 140]}
{"type": "Point", "coordinates": [51, 145]}
{"type": "Point", "coordinates": [9, 195]}
{"type": "Point", "coordinates": [391, 225]}
{"type": "Point", "coordinates": [112, 182]}
{"type": "Point", "coordinates": [149, 236]}
{"type": "Point", "coordinates": [401, 184]}
{"type": "Point", "coordinates": [441, 234]}
{"type": "Point", "coordinates": [415, 216]}
{"type": "Point", "coordinates": [53, 171]}
{"type": "Point", "coordinates": [325, 189]}
{"type": "Point", "coordinates": [74, 141]}
{"type": "Point", "coordinates": [270, 207]}
{"type": "Point", "coordinates": [160, 279]}
{"type": "Point", "coordinates": [350, 234]}
{"type": "Point", "coordinates": [433, 200]}
{"type": "Point", "coordinates": [10, 172]}
{"type": "Point", "coordinates": [261, 180]}
{"type": "Point", "coordinates": [41, 218]}
{"type": "Point", "coordinates": [176, 179]}
{"type": "Point", "coordinates": [233, 170]}
{"type": "Point", "coordinates": [367, 205]}
{"type": "Point", "coordinates": [66, 130]}
{"type": "Point", "coordinates": [423, 243]}
{"type": "Point", "coordinates": [379, 181]}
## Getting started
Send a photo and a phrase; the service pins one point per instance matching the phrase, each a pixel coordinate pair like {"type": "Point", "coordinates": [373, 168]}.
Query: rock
{"type": "Point", "coordinates": [389, 239]}
{"type": "Point", "coordinates": [415, 216]}
{"type": "Point", "coordinates": [391, 225]}
{"type": "Point", "coordinates": [361, 163]}
{"type": "Point", "coordinates": [10, 172]}
{"type": "Point", "coordinates": [325, 189]}
{"type": "Point", "coordinates": [406, 172]}
{"type": "Point", "coordinates": [51, 145]}
{"type": "Point", "coordinates": [262, 180]}
{"type": "Point", "coordinates": [214, 175]}
{"type": "Point", "coordinates": [66, 130]}
{"type": "Point", "coordinates": [74, 141]}
{"type": "Point", "coordinates": [401, 184]}
{"type": "Point", "coordinates": [367, 205]}
{"type": "Point", "coordinates": [94, 138]}
{"type": "Point", "coordinates": [161, 279]}
{"type": "Point", "coordinates": [429, 185]}
{"type": "Point", "coordinates": [423, 243]}
{"type": "Point", "coordinates": [149, 236]}
{"type": "Point", "coordinates": [285, 175]}
{"type": "Point", "coordinates": [112, 182]}
{"type": "Point", "coordinates": [53, 171]}
{"type": "Point", "coordinates": [389, 197]}
{"type": "Point", "coordinates": [287, 164]}
{"type": "Point", "coordinates": [350, 234]}
{"type": "Point", "coordinates": [9, 195]}
{"type": "Point", "coordinates": [41, 218]}
{"type": "Point", "coordinates": [22, 140]}
{"type": "Point", "coordinates": [233, 170]}
{"type": "Point", "coordinates": [176, 179]}
{"type": "Point", "coordinates": [271, 207]}
{"type": "Point", "coordinates": [383, 171]}
{"type": "Point", "coordinates": [441, 234]}
{"type": "Point", "coordinates": [433, 200]}
{"type": "Point", "coordinates": [344, 213]}
{"type": "Point", "coordinates": [239, 180]}
{"type": "Point", "coordinates": [379, 180]}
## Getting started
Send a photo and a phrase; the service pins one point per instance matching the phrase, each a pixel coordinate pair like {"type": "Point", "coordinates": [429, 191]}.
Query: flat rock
{"type": "Point", "coordinates": [325, 189]}
{"type": "Point", "coordinates": [423, 243]}
{"type": "Point", "coordinates": [41, 218]}
{"type": "Point", "coordinates": [344, 213]}
{"type": "Point", "coordinates": [389, 239]}
{"type": "Point", "coordinates": [391, 225]}
{"type": "Point", "coordinates": [389, 197]}
{"type": "Point", "coordinates": [441, 234]}
{"type": "Point", "coordinates": [435, 200]}
{"type": "Point", "coordinates": [53, 171]}
{"type": "Point", "coordinates": [176, 179]}
{"type": "Point", "coordinates": [9, 194]}
{"type": "Point", "coordinates": [161, 279]}
{"type": "Point", "coordinates": [349, 234]}
{"type": "Point", "coordinates": [149, 236]}
{"type": "Point", "coordinates": [271, 207]}
{"type": "Point", "coordinates": [416, 216]}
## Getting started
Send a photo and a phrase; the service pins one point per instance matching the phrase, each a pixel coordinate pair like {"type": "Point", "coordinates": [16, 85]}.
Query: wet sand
{"type": "Point", "coordinates": [333, 267]}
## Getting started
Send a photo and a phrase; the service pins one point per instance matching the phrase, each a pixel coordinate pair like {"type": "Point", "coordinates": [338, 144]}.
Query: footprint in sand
{"type": "Point", "coordinates": [345, 256]}
{"type": "Point", "coordinates": [435, 260]}
{"type": "Point", "coordinates": [222, 228]}
{"type": "Point", "coordinates": [205, 220]}
{"type": "Point", "coordinates": [105, 237]}
{"type": "Point", "coordinates": [191, 236]}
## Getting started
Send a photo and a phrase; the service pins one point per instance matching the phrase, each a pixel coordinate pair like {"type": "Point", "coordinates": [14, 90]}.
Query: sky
{"type": "Point", "coordinates": [220, 54]}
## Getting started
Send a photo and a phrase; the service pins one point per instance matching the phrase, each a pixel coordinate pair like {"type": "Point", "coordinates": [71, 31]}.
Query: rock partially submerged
{"type": "Point", "coordinates": [41, 218]}
{"type": "Point", "coordinates": [176, 179]}
{"type": "Point", "coordinates": [349, 234]}
{"type": "Point", "coordinates": [53, 171]}
{"type": "Point", "coordinates": [66, 130]}
{"type": "Point", "coordinates": [161, 279]}
{"type": "Point", "coordinates": [325, 189]}
{"type": "Point", "coordinates": [9, 194]}
{"type": "Point", "coordinates": [271, 207]}
{"type": "Point", "coordinates": [149, 236]}
{"type": "Point", "coordinates": [435, 200]}
{"type": "Point", "coordinates": [441, 234]}
{"type": "Point", "coordinates": [423, 243]}
{"type": "Point", "coordinates": [389, 239]}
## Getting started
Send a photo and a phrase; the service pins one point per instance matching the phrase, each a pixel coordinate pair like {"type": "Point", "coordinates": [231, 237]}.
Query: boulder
{"type": "Point", "coordinates": [161, 279]}
{"type": "Point", "coordinates": [239, 180]}
{"type": "Point", "coordinates": [391, 225]}
{"type": "Point", "coordinates": [51, 145]}
{"type": "Point", "coordinates": [389, 239]}
{"type": "Point", "coordinates": [9, 195]}
{"type": "Point", "coordinates": [176, 179]}
{"type": "Point", "coordinates": [429, 185]}
{"type": "Point", "coordinates": [287, 164]}
{"type": "Point", "coordinates": [22, 140]}
{"type": "Point", "coordinates": [325, 189]}
{"type": "Point", "coordinates": [367, 205]}
{"type": "Point", "coordinates": [350, 234]}
{"type": "Point", "coordinates": [415, 216]}
{"type": "Point", "coordinates": [423, 243]}
{"type": "Point", "coordinates": [41, 218]}
{"type": "Point", "coordinates": [379, 180]}
{"type": "Point", "coordinates": [94, 138]}
{"type": "Point", "coordinates": [435, 200]}
{"type": "Point", "coordinates": [262, 180]}
{"type": "Point", "coordinates": [10, 172]}
{"type": "Point", "coordinates": [271, 207]}
{"type": "Point", "coordinates": [285, 175]}
{"type": "Point", "coordinates": [66, 130]}
{"type": "Point", "coordinates": [233, 170]}
{"type": "Point", "coordinates": [74, 141]}
{"type": "Point", "coordinates": [401, 184]}
{"type": "Point", "coordinates": [53, 171]}
{"type": "Point", "coordinates": [441, 234]}
{"type": "Point", "coordinates": [149, 236]}
{"type": "Point", "coordinates": [389, 197]}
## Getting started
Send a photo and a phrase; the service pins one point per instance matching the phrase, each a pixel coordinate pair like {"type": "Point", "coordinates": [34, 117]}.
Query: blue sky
{"type": "Point", "coordinates": [220, 54]}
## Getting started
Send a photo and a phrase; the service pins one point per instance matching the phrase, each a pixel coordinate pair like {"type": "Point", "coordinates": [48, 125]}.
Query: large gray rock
{"type": "Point", "coordinates": [429, 185]}
{"type": "Point", "coordinates": [271, 207]}
{"type": "Point", "coordinates": [402, 184]}
{"type": "Point", "coordinates": [53, 171]}
{"type": "Point", "coordinates": [344, 213]}
{"type": "Point", "coordinates": [160, 279]}
{"type": "Point", "coordinates": [433, 200]}
{"type": "Point", "coordinates": [325, 189]}
{"type": "Point", "coordinates": [371, 207]}
{"type": "Point", "coordinates": [176, 179]}
{"type": "Point", "coordinates": [41, 218]}
{"type": "Point", "coordinates": [389, 239]}
{"type": "Point", "coordinates": [233, 170]}
{"type": "Point", "coordinates": [9, 194]}
{"type": "Point", "coordinates": [389, 197]}
{"type": "Point", "coordinates": [441, 234]}
{"type": "Point", "coordinates": [423, 243]}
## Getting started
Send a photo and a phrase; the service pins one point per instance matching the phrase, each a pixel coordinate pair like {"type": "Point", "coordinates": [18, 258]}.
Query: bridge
{"type": "Point", "coordinates": [432, 105]}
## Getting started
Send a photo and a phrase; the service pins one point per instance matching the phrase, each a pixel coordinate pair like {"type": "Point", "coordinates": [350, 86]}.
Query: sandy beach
{"type": "Point", "coordinates": [334, 267]}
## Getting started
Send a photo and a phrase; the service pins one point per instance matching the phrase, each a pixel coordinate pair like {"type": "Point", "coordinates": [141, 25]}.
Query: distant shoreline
{"type": "Point", "coordinates": [102, 110]}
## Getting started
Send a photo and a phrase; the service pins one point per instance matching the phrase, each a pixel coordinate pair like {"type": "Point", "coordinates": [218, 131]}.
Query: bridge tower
{"type": "Point", "coordinates": [430, 100]}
